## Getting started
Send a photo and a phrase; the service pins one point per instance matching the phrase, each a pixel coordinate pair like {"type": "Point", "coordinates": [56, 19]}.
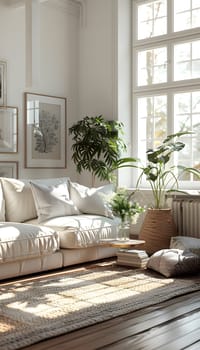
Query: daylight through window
{"type": "Point", "coordinates": [166, 76]}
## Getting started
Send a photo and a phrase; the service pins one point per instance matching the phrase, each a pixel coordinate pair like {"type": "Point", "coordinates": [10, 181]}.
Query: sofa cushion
{"type": "Point", "coordinates": [80, 231]}
{"type": "Point", "coordinates": [174, 262]}
{"type": "Point", "coordinates": [91, 200]}
{"type": "Point", "coordinates": [52, 200]}
{"type": "Point", "coordinates": [24, 241]}
{"type": "Point", "coordinates": [19, 202]}
{"type": "Point", "coordinates": [186, 243]}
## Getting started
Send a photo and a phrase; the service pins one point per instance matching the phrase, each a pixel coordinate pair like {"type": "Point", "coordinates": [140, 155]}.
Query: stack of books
{"type": "Point", "coordinates": [132, 257]}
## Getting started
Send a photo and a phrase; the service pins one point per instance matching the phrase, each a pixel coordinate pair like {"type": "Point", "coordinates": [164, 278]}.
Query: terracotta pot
{"type": "Point", "coordinates": [157, 229]}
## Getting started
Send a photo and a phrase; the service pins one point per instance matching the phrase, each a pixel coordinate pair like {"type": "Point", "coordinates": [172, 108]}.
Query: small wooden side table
{"type": "Point", "coordinates": [125, 256]}
{"type": "Point", "coordinates": [121, 243]}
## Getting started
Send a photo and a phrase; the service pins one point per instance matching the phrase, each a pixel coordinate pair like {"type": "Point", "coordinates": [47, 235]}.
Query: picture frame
{"type": "Point", "coordinates": [9, 169]}
{"type": "Point", "coordinates": [8, 129]}
{"type": "Point", "coordinates": [3, 82]}
{"type": "Point", "coordinates": [45, 131]}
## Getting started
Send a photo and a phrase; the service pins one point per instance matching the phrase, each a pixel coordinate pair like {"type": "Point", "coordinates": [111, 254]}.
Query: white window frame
{"type": "Point", "coordinates": [170, 87]}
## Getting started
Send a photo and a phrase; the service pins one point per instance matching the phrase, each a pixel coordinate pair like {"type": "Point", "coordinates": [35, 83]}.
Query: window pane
{"type": "Point", "coordinates": [152, 122]}
{"type": "Point", "coordinates": [187, 118]}
{"type": "Point", "coordinates": [152, 66]}
{"type": "Point", "coordinates": [187, 60]}
{"type": "Point", "coordinates": [186, 14]}
{"type": "Point", "coordinates": [167, 69]}
{"type": "Point", "coordinates": [152, 19]}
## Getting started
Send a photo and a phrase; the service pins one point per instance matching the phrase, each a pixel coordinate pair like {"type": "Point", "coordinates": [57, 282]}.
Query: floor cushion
{"type": "Point", "coordinates": [174, 262]}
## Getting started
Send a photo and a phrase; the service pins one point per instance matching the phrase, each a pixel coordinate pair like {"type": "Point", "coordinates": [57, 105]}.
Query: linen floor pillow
{"type": "Point", "coordinates": [91, 200]}
{"type": "Point", "coordinates": [174, 262]}
{"type": "Point", "coordinates": [52, 201]}
{"type": "Point", "coordinates": [186, 243]}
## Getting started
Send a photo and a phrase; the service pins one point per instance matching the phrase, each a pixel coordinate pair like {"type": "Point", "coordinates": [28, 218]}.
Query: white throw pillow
{"type": "Point", "coordinates": [52, 200]}
{"type": "Point", "coordinates": [51, 181]}
{"type": "Point", "coordinates": [91, 200]}
{"type": "Point", "coordinates": [174, 262]}
{"type": "Point", "coordinates": [19, 202]}
{"type": "Point", "coordinates": [2, 205]}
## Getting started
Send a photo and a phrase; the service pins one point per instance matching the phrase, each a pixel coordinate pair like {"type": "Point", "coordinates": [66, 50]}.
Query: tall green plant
{"type": "Point", "coordinates": [161, 176]}
{"type": "Point", "coordinates": [97, 146]}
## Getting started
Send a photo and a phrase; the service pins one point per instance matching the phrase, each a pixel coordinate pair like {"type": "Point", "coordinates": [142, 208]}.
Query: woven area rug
{"type": "Point", "coordinates": [37, 309]}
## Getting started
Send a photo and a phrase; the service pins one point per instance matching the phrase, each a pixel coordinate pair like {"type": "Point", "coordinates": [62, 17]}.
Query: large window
{"type": "Point", "coordinates": [166, 76]}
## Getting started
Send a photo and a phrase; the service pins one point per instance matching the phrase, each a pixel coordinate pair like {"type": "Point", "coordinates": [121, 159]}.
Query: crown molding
{"type": "Point", "coordinates": [13, 3]}
{"type": "Point", "coordinates": [16, 3]}
{"type": "Point", "coordinates": [73, 7]}
{"type": "Point", "coordinates": [56, 3]}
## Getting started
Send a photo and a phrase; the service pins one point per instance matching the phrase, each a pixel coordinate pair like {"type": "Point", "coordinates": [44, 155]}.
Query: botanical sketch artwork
{"type": "Point", "coordinates": [8, 129]}
{"type": "Point", "coordinates": [46, 133]}
{"type": "Point", "coordinates": [9, 169]}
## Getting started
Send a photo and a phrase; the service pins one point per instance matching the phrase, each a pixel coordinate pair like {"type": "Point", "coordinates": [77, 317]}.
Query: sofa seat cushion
{"type": "Point", "coordinates": [80, 231]}
{"type": "Point", "coordinates": [23, 241]}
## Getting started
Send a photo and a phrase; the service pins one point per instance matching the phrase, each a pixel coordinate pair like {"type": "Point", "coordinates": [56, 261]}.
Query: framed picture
{"type": "Point", "coordinates": [3, 72]}
{"type": "Point", "coordinates": [8, 129]}
{"type": "Point", "coordinates": [9, 169]}
{"type": "Point", "coordinates": [45, 131]}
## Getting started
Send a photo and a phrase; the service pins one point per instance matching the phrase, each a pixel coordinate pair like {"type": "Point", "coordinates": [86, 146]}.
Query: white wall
{"type": "Point", "coordinates": [96, 60]}
{"type": "Point", "coordinates": [77, 60]}
{"type": "Point", "coordinates": [58, 67]}
{"type": "Point", "coordinates": [105, 67]}
{"type": "Point", "coordinates": [97, 89]}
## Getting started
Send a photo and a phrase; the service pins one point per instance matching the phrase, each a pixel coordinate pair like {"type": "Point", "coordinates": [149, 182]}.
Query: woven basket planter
{"type": "Point", "coordinates": [157, 229]}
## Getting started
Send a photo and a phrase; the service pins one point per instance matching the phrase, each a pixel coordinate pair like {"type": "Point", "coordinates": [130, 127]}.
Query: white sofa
{"type": "Point", "coordinates": [51, 223]}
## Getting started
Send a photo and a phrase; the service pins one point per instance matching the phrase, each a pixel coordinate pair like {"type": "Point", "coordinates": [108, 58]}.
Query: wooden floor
{"type": "Point", "coordinates": [171, 325]}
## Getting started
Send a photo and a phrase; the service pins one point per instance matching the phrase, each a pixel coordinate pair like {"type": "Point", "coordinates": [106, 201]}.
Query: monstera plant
{"type": "Point", "coordinates": [158, 226]}
{"type": "Point", "coordinates": [97, 146]}
{"type": "Point", "coordinates": [158, 171]}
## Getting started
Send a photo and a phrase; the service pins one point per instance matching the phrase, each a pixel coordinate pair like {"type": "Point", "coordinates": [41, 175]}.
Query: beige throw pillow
{"type": "Point", "coordinates": [91, 200]}
{"type": "Point", "coordinates": [52, 201]}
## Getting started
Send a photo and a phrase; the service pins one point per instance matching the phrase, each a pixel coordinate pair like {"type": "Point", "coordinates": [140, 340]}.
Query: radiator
{"type": "Point", "coordinates": [186, 212]}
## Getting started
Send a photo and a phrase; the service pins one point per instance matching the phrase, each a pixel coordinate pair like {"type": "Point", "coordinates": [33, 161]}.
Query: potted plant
{"type": "Point", "coordinates": [158, 225]}
{"type": "Point", "coordinates": [97, 146]}
{"type": "Point", "coordinates": [123, 206]}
